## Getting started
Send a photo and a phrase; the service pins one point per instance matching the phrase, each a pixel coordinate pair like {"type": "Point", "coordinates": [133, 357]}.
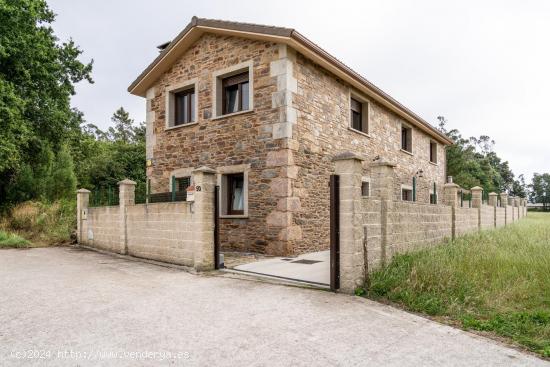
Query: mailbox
{"type": "Point", "coordinates": [190, 193]}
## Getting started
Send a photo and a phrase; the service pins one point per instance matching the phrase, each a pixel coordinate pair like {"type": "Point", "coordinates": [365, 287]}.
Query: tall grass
{"type": "Point", "coordinates": [42, 223]}
{"type": "Point", "coordinates": [496, 281]}
{"type": "Point", "coordinates": [8, 240]}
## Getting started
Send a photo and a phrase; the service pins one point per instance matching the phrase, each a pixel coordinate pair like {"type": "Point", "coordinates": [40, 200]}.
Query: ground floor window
{"type": "Point", "coordinates": [182, 183]}
{"type": "Point", "coordinates": [406, 194]}
{"type": "Point", "coordinates": [235, 193]}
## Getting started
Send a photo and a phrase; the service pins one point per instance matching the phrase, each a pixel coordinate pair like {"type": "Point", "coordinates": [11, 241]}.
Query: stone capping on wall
{"type": "Point", "coordinates": [374, 228]}
{"type": "Point", "coordinates": [180, 232]}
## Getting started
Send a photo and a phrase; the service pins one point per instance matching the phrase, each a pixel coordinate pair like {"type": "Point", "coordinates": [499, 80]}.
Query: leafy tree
{"type": "Point", "coordinates": [473, 162]}
{"type": "Point", "coordinates": [123, 129]}
{"type": "Point", "coordinates": [519, 188]}
{"type": "Point", "coordinates": [540, 190]}
{"type": "Point", "coordinates": [62, 180]}
{"type": "Point", "coordinates": [37, 77]}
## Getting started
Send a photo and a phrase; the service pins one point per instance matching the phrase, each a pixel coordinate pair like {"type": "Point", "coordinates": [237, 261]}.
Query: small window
{"type": "Point", "coordinates": [235, 93]}
{"type": "Point", "coordinates": [359, 115]}
{"type": "Point", "coordinates": [365, 188]}
{"type": "Point", "coordinates": [406, 139]}
{"type": "Point", "coordinates": [433, 152]}
{"type": "Point", "coordinates": [184, 107]}
{"type": "Point", "coordinates": [406, 194]}
{"type": "Point", "coordinates": [235, 194]}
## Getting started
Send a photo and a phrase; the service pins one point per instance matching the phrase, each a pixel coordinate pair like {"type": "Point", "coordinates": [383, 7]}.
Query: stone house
{"type": "Point", "coordinates": [268, 109]}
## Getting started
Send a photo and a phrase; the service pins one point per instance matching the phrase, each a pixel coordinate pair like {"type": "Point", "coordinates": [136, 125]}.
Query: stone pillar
{"type": "Point", "coordinates": [204, 179]}
{"type": "Point", "coordinates": [82, 202]}
{"type": "Point", "coordinates": [450, 197]}
{"type": "Point", "coordinates": [126, 197]}
{"type": "Point", "coordinates": [450, 194]}
{"type": "Point", "coordinates": [352, 256]}
{"type": "Point", "coordinates": [476, 196]}
{"type": "Point", "coordinates": [516, 205]}
{"type": "Point", "coordinates": [504, 204]}
{"type": "Point", "coordinates": [382, 176]}
{"type": "Point", "coordinates": [511, 201]}
{"type": "Point", "coordinates": [493, 199]}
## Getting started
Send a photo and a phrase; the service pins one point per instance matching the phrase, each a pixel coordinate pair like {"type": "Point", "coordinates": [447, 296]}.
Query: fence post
{"type": "Point", "coordinates": [382, 174]}
{"type": "Point", "coordinates": [126, 197]}
{"type": "Point", "coordinates": [476, 202]}
{"type": "Point", "coordinates": [82, 202]}
{"type": "Point", "coordinates": [352, 257]}
{"type": "Point", "coordinates": [204, 179]}
{"type": "Point", "coordinates": [450, 197]}
{"type": "Point", "coordinates": [511, 203]}
{"type": "Point", "coordinates": [504, 204]}
{"type": "Point", "coordinates": [493, 198]}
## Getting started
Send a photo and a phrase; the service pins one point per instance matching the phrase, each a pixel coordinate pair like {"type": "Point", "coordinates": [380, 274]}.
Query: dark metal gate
{"type": "Point", "coordinates": [217, 228]}
{"type": "Point", "coordinates": [334, 232]}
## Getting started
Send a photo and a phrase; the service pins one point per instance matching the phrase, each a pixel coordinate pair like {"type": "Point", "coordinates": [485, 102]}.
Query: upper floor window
{"type": "Point", "coordinates": [235, 94]}
{"type": "Point", "coordinates": [184, 105]}
{"type": "Point", "coordinates": [433, 152]}
{"type": "Point", "coordinates": [359, 115]}
{"type": "Point", "coordinates": [181, 104]}
{"type": "Point", "coordinates": [406, 138]}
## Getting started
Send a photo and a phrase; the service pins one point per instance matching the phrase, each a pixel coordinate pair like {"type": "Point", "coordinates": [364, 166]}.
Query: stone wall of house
{"type": "Point", "coordinates": [322, 131]}
{"type": "Point", "coordinates": [175, 232]}
{"type": "Point", "coordinates": [299, 121]}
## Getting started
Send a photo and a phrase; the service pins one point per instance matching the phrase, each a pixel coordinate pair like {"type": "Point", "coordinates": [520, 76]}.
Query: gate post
{"type": "Point", "coordinates": [204, 179]}
{"type": "Point", "coordinates": [126, 197]}
{"type": "Point", "coordinates": [352, 274]}
{"type": "Point", "coordinates": [82, 202]}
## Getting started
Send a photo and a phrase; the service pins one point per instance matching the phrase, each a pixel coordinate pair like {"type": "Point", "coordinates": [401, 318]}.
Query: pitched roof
{"type": "Point", "coordinates": [198, 26]}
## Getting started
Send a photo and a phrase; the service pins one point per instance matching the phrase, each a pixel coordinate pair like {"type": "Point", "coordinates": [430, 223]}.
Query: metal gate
{"type": "Point", "coordinates": [334, 232]}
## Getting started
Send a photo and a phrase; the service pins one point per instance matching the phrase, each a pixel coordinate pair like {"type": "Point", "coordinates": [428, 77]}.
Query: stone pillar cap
{"type": "Point", "coordinates": [82, 191]}
{"type": "Point", "coordinates": [347, 155]}
{"type": "Point", "coordinates": [126, 182]}
{"type": "Point", "coordinates": [493, 194]}
{"type": "Point", "coordinates": [451, 184]}
{"type": "Point", "coordinates": [476, 188]}
{"type": "Point", "coordinates": [205, 169]}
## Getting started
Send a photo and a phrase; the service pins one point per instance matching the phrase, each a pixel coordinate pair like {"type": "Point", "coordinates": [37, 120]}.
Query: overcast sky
{"type": "Point", "coordinates": [484, 65]}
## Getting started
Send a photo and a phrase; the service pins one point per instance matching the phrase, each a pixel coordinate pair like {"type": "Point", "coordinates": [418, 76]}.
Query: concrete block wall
{"type": "Point", "coordinates": [486, 217]}
{"type": "Point", "coordinates": [413, 226]}
{"type": "Point", "coordinates": [175, 232]}
{"type": "Point", "coordinates": [392, 226]}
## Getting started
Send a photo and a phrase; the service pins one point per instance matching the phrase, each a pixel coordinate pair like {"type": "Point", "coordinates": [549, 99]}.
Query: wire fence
{"type": "Point", "coordinates": [109, 195]}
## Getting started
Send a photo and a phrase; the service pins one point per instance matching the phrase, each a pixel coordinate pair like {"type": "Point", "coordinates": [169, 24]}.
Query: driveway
{"type": "Point", "coordinates": [71, 307]}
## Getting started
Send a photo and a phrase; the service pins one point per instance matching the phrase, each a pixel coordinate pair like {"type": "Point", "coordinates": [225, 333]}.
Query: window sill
{"type": "Point", "coordinates": [434, 163]}
{"type": "Point", "coordinates": [234, 216]}
{"type": "Point", "coordinates": [180, 126]}
{"type": "Point", "coordinates": [407, 152]}
{"type": "Point", "coordinates": [231, 114]}
{"type": "Point", "coordinates": [359, 132]}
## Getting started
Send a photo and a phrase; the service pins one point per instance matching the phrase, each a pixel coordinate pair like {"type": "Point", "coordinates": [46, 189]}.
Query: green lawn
{"type": "Point", "coordinates": [494, 281]}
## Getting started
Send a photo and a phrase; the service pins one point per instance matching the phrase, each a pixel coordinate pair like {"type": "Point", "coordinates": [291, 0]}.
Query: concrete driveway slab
{"type": "Point", "coordinates": [68, 307]}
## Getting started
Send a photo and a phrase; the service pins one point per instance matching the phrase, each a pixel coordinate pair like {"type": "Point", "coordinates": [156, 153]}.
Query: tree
{"type": "Point", "coordinates": [473, 162]}
{"type": "Point", "coordinates": [519, 188]}
{"type": "Point", "coordinates": [37, 77]}
{"type": "Point", "coordinates": [123, 129]}
{"type": "Point", "coordinates": [540, 190]}
{"type": "Point", "coordinates": [62, 180]}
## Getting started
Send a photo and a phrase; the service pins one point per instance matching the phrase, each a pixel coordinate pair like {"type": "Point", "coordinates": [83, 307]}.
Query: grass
{"type": "Point", "coordinates": [8, 240]}
{"type": "Point", "coordinates": [494, 281]}
{"type": "Point", "coordinates": [43, 224]}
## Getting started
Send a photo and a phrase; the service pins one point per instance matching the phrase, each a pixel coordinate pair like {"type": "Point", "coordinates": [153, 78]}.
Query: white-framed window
{"type": "Point", "coordinates": [233, 90]}
{"type": "Point", "coordinates": [233, 182]}
{"type": "Point", "coordinates": [181, 104]}
{"type": "Point", "coordinates": [359, 114]}
{"type": "Point", "coordinates": [433, 151]}
{"type": "Point", "coordinates": [365, 187]}
{"type": "Point", "coordinates": [406, 193]}
{"type": "Point", "coordinates": [406, 138]}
